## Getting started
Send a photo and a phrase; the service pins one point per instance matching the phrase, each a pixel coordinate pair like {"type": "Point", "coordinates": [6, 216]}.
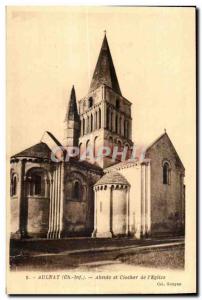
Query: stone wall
{"type": "Point", "coordinates": [103, 213]}
{"type": "Point", "coordinates": [119, 222]}
{"type": "Point", "coordinates": [38, 216]}
{"type": "Point", "coordinates": [78, 214]}
{"type": "Point", "coordinates": [14, 215]}
{"type": "Point", "coordinates": [167, 200]}
{"type": "Point", "coordinates": [133, 175]}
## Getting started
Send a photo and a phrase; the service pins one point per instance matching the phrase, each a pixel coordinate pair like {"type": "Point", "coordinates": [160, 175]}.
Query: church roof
{"type": "Point", "coordinates": [112, 178]}
{"type": "Point", "coordinates": [40, 150]}
{"type": "Point", "coordinates": [163, 136]}
{"type": "Point", "coordinates": [72, 111]}
{"type": "Point", "coordinates": [122, 165]}
{"type": "Point", "coordinates": [104, 72]}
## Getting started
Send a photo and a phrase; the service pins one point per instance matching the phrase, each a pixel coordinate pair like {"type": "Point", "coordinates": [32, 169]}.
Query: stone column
{"type": "Point", "coordinates": [143, 199]}
{"type": "Point", "coordinates": [21, 201]}
{"type": "Point", "coordinates": [111, 209]}
{"type": "Point", "coordinates": [93, 113]}
{"type": "Point", "coordinates": [148, 199]}
{"type": "Point", "coordinates": [50, 208]}
{"type": "Point", "coordinates": [58, 202]}
{"type": "Point", "coordinates": [95, 213]}
{"type": "Point", "coordinates": [128, 212]}
{"type": "Point", "coordinates": [61, 198]}
{"type": "Point", "coordinates": [46, 181]}
{"type": "Point", "coordinates": [52, 203]}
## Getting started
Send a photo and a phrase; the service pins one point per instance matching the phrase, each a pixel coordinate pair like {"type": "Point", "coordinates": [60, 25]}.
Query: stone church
{"type": "Point", "coordinates": [104, 198]}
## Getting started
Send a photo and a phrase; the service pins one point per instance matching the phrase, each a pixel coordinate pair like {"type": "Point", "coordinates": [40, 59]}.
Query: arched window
{"type": "Point", "coordinates": [88, 124]}
{"type": "Point", "coordinates": [117, 103]}
{"type": "Point", "coordinates": [36, 185]}
{"type": "Point", "coordinates": [37, 182]}
{"type": "Point", "coordinates": [120, 125]}
{"type": "Point", "coordinates": [13, 185]}
{"type": "Point", "coordinates": [91, 123]}
{"type": "Point", "coordinates": [126, 129]}
{"type": "Point", "coordinates": [128, 152]}
{"type": "Point", "coordinates": [112, 121]}
{"type": "Point", "coordinates": [108, 118]}
{"type": "Point", "coordinates": [99, 118]}
{"type": "Point", "coordinates": [76, 193]}
{"type": "Point", "coordinates": [116, 124]}
{"type": "Point", "coordinates": [123, 127]}
{"type": "Point", "coordinates": [166, 173]}
{"type": "Point", "coordinates": [87, 147]}
{"type": "Point", "coordinates": [90, 102]}
{"type": "Point", "coordinates": [96, 120]}
{"type": "Point", "coordinates": [80, 149]}
{"type": "Point", "coordinates": [83, 126]}
{"type": "Point", "coordinates": [119, 146]}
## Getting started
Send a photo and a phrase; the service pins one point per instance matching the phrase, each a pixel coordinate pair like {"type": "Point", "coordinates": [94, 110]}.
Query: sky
{"type": "Point", "coordinates": [51, 48]}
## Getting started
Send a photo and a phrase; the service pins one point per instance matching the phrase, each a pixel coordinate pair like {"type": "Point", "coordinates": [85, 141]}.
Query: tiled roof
{"type": "Point", "coordinates": [104, 71]}
{"type": "Point", "coordinates": [40, 150]}
{"type": "Point", "coordinates": [122, 165]}
{"type": "Point", "coordinates": [112, 178]}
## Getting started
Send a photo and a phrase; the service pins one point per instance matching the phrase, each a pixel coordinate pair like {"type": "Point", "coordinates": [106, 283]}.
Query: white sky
{"type": "Point", "coordinates": [153, 49]}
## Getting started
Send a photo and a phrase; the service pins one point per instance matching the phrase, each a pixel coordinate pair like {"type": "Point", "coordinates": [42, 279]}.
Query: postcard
{"type": "Point", "coordinates": [101, 150]}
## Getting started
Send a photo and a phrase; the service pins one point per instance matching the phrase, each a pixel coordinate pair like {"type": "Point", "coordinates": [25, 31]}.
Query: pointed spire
{"type": "Point", "coordinates": [104, 71]}
{"type": "Point", "coordinates": [72, 112]}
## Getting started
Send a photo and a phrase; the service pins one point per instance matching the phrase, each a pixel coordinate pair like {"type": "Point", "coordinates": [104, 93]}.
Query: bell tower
{"type": "Point", "coordinates": [105, 115]}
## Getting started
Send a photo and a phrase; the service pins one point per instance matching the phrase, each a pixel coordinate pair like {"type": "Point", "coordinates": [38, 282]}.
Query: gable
{"type": "Point", "coordinates": [164, 148]}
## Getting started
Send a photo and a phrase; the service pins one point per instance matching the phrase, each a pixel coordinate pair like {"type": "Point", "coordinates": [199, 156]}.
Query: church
{"type": "Point", "coordinates": [116, 194]}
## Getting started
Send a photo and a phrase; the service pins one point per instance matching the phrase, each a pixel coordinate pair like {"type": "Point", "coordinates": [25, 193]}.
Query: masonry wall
{"type": "Point", "coordinates": [38, 216]}
{"type": "Point", "coordinates": [133, 175]}
{"type": "Point", "coordinates": [78, 214]}
{"type": "Point", "coordinates": [167, 200]}
{"type": "Point", "coordinates": [103, 213]}
{"type": "Point", "coordinates": [119, 211]}
{"type": "Point", "coordinates": [14, 215]}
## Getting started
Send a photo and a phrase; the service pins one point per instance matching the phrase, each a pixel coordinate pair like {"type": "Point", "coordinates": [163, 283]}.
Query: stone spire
{"type": "Point", "coordinates": [72, 112]}
{"type": "Point", "coordinates": [104, 71]}
{"type": "Point", "coordinates": [72, 122]}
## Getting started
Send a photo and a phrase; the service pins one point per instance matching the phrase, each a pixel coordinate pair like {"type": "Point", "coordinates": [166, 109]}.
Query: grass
{"type": "Point", "coordinates": [172, 258]}
{"type": "Point", "coordinates": [161, 257]}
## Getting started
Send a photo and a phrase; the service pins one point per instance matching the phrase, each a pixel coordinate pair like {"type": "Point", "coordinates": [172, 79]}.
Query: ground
{"type": "Point", "coordinates": [86, 254]}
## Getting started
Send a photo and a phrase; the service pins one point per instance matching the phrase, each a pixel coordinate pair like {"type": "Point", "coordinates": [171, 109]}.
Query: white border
{"type": "Point", "coordinates": [3, 5]}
